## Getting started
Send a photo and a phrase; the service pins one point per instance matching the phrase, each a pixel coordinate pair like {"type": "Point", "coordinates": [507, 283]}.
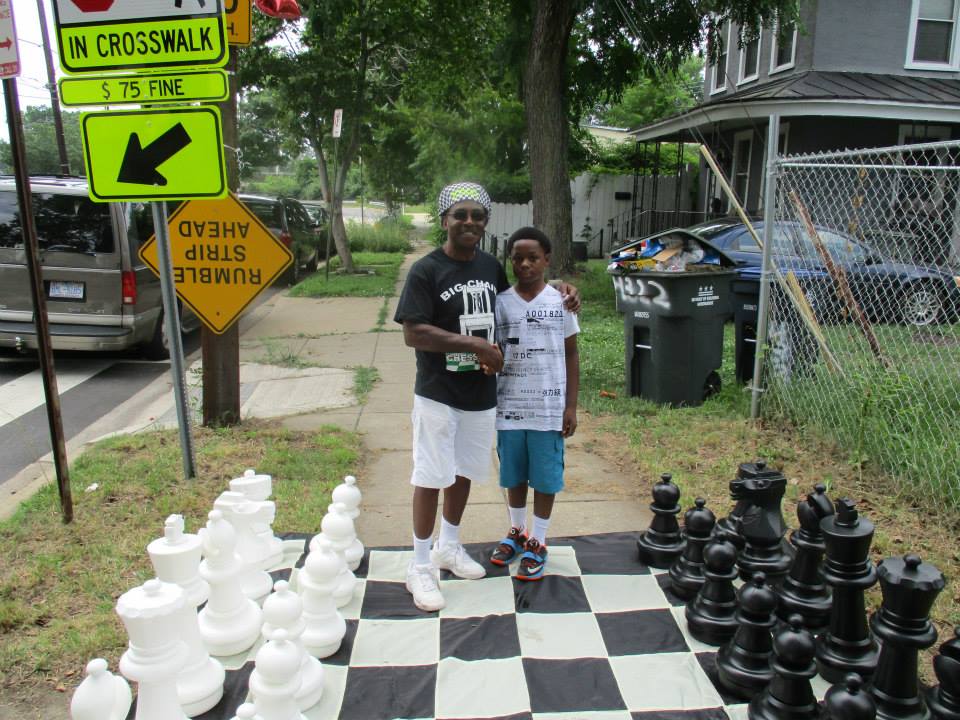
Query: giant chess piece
{"type": "Point", "coordinates": [348, 495]}
{"type": "Point", "coordinates": [789, 695]}
{"type": "Point", "coordinates": [903, 626]}
{"type": "Point", "coordinates": [661, 543]}
{"type": "Point", "coordinates": [276, 678]}
{"type": "Point", "coordinates": [247, 711]}
{"type": "Point", "coordinates": [151, 615]}
{"type": "Point", "coordinates": [101, 696]}
{"type": "Point", "coordinates": [337, 528]}
{"type": "Point", "coordinates": [804, 591]}
{"type": "Point", "coordinates": [258, 487]}
{"type": "Point", "coordinates": [743, 664]}
{"type": "Point", "coordinates": [711, 615]}
{"type": "Point", "coordinates": [325, 626]}
{"type": "Point", "coordinates": [848, 645]}
{"type": "Point", "coordinates": [944, 699]}
{"type": "Point", "coordinates": [230, 621]}
{"type": "Point", "coordinates": [176, 559]}
{"type": "Point", "coordinates": [746, 470]}
{"type": "Point", "coordinates": [283, 610]}
{"type": "Point", "coordinates": [763, 528]}
{"type": "Point", "coordinates": [849, 701]}
{"type": "Point", "coordinates": [246, 516]}
{"type": "Point", "coordinates": [686, 572]}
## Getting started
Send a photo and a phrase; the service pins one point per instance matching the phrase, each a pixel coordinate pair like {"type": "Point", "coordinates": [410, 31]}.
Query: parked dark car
{"type": "Point", "coordinates": [887, 290]}
{"type": "Point", "coordinates": [288, 219]}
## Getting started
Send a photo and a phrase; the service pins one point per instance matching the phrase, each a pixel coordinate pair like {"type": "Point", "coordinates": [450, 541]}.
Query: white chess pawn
{"type": "Point", "coordinates": [230, 621]}
{"type": "Point", "coordinates": [259, 487]}
{"type": "Point", "coordinates": [176, 559]}
{"type": "Point", "coordinates": [337, 527]}
{"type": "Point", "coordinates": [349, 494]}
{"type": "Point", "coordinates": [283, 610]}
{"type": "Point", "coordinates": [353, 553]}
{"type": "Point", "coordinates": [151, 614]}
{"type": "Point", "coordinates": [101, 696]}
{"type": "Point", "coordinates": [245, 515]}
{"type": "Point", "coordinates": [276, 678]}
{"type": "Point", "coordinates": [325, 626]}
{"type": "Point", "coordinates": [247, 711]}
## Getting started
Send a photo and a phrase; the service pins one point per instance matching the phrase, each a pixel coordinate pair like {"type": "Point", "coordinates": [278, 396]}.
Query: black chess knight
{"type": "Point", "coordinates": [661, 543]}
{"type": "Point", "coordinates": [804, 590]}
{"type": "Point", "coordinates": [944, 699]}
{"type": "Point", "coordinates": [686, 572]}
{"type": "Point", "coordinates": [754, 470]}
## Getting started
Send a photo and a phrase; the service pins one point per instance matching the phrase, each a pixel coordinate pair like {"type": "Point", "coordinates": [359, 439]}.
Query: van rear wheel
{"type": "Point", "coordinates": [157, 347]}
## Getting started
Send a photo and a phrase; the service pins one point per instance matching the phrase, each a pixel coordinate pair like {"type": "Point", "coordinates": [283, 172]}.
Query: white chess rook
{"type": "Point", "coordinates": [230, 621]}
{"type": "Point", "coordinates": [176, 559]}
{"type": "Point", "coordinates": [155, 654]}
{"type": "Point", "coordinates": [276, 678]}
{"type": "Point", "coordinates": [101, 696]}
{"type": "Point", "coordinates": [337, 527]}
{"type": "Point", "coordinates": [325, 626]}
{"type": "Point", "coordinates": [259, 487]}
{"type": "Point", "coordinates": [283, 610]}
{"type": "Point", "coordinates": [255, 554]}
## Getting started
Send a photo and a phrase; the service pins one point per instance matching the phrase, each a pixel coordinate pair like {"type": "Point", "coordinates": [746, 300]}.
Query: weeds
{"type": "Point", "coordinates": [364, 379]}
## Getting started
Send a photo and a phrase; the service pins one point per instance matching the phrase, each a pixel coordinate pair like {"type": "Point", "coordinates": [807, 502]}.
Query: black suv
{"type": "Point", "coordinates": [289, 221]}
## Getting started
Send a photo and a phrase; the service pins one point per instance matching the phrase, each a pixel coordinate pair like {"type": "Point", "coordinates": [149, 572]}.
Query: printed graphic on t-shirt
{"type": "Point", "coordinates": [477, 319]}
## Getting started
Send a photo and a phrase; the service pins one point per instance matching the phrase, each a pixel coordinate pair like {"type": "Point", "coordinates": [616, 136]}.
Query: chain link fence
{"type": "Point", "coordinates": [863, 337]}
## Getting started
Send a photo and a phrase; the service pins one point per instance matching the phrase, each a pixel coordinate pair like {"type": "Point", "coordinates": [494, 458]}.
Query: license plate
{"type": "Point", "coordinates": [63, 290]}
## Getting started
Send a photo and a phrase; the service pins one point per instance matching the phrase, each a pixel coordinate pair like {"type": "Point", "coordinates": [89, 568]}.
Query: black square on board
{"type": "Point", "coordinates": [606, 554]}
{"type": "Point", "coordinates": [385, 692]}
{"type": "Point", "coordinates": [518, 716]}
{"type": "Point", "coordinates": [641, 632]}
{"type": "Point", "coordinates": [342, 656]}
{"type": "Point", "coordinates": [699, 714]}
{"type": "Point", "coordinates": [580, 685]}
{"type": "Point", "coordinates": [663, 580]}
{"type": "Point", "coordinates": [281, 574]}
{"type": "Point", "coordinates": [389, 601]}
{"type": "Point", "coordinates": [708, 661]}
{"type": "Point", "coordinates": [479, 638]}
{"type": "Point", "coordinates": [552, 594]}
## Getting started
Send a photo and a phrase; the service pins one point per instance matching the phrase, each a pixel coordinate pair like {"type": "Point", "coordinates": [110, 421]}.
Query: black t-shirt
{"type": "Point", "coordinates": [459, 297]}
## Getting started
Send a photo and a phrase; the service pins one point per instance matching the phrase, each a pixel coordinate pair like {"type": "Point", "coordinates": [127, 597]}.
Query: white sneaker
{"type": "Point", "coordinates": [423, 582]}
{"type": "Point", "coordinates": [451, 556]}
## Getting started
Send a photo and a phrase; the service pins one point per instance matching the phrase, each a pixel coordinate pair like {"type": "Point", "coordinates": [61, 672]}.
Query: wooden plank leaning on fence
{"type": "Point", "coordinates": [839, 276]}
{"type": "Point", "coordinates": [793, 291]}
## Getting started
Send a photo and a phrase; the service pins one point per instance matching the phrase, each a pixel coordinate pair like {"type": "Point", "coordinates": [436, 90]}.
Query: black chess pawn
{"type": "Point", "coordinates": [756, 469]}
{"type": "Point", "coordinates": [711, 615]}
{"type": "Point", "coordinates": [944, 699]}
{"type": "Point", "coordinates": [903, 626]}
{"type": "Point", "coordinates": [686, 572]}
{"type": "Point", "coordinates": [743, 664]}
{"type": "Point", "coordinates": [763, 528]}
{"type": "Point", "coordinates": [804, 590]}
{"type": "Point", "coordinates": [849, 701]}
{"type": "Point", "coordinates": [848, 645]}
{"type": "Point", "coordinates": [661, 543]}
{"type": "Point", "coordinates": [789, 695]}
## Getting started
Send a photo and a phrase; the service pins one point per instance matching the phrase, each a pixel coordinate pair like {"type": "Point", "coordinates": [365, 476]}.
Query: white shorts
{"type": "Point", "coordinates": [448, 442]}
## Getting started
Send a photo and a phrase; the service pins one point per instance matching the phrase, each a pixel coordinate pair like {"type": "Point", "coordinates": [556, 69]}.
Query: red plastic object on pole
{"type": "Point", "coordinates": [283, 9]}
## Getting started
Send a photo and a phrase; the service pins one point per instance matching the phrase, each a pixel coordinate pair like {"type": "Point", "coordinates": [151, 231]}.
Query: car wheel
{"type": "Point", "coordinates": [312, 261]}
{"type": "Point", "coordinates": [711, 385]}
{"type": "Point", "coordinates": [157, 348]}
{"type": "Point", "coordinates": [922, 304]}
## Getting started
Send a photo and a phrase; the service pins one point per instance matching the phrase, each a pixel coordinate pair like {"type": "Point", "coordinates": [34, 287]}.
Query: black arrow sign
{"type": "Point", "coordinates": [140, 163]}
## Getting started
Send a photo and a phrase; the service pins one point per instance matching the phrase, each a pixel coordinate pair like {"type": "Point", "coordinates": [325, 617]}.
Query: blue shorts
{"type": "Point", "coordinates": [534, 457]}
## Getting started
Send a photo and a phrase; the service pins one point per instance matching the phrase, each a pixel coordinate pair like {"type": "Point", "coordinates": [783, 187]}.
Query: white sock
{"type": "Point", "coordinates": [421, 550]}
{"type": "Point", "coordinates": [518, 517]}
{"type": "Point", "coordinates": [539, 531]}
{"type": "Point", "coordinates": [448, 533]}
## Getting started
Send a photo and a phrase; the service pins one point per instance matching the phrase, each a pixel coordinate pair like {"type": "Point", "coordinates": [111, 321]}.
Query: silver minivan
{"type": "Point", "coordinates": [99, 294]}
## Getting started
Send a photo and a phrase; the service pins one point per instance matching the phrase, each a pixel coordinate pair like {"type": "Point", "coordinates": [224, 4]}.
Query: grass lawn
{"type": "Point", "coordinates": [376, 277]}
{"type": "Point", "coordinates": [59, 583]}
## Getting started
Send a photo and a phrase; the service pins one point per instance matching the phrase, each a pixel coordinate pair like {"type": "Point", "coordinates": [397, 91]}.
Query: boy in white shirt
{"type": "Point", "coordinates": [536, 398]}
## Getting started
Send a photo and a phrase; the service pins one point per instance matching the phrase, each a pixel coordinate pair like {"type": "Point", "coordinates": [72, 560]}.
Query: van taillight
{"type": "Point", "coordinates": [285, 238]}
{"type": "Point", "coordinates": [129, 287]}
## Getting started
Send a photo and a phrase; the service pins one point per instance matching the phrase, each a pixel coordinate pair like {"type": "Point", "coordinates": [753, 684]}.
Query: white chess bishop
{"type": "Point", "coordinates": [337, 528]}
{"type": "Point", "coordinates": [325, 626]}
{"type": "Point", "coordinates": [255, 554]}
{"type": "Point", "coordinates": [348, 495]}
{"type": "Point", "coordinates": [258, 487]}
{"type": "Point", "coordinates": [101, 696]}
{"type": "Point", "coordinates": [176, 559]}
{"type": "Point", "coordinates": [276, 678]}
{"type": "Point", "coordinates": [283, 610]}
{"type": "Point", "coordinates": [151, 614]}
{"type": "Point", "coordinates": [230, 621]}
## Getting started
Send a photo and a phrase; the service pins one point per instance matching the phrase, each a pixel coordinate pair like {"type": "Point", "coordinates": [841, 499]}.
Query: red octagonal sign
{"type": "Point", "coordinates": [93, 5]}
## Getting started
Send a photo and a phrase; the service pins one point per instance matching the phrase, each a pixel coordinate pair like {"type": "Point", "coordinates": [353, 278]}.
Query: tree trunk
{"type": "Point", "coordinates": [547, 132]}
{"type": "Point", "coordinates": [333, 196]}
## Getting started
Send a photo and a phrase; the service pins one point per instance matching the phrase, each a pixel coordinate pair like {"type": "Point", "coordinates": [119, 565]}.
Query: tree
{"type": "Point", "coordinates": [41, 142]}
{"type": "Point", "coordinates": [654, 98]}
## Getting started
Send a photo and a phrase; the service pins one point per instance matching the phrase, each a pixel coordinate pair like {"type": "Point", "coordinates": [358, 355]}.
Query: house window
{"type": "Point", "coordinates": [718, 71]}
{"type": "Point", "coordinates": [740, 174]}
{"type": "Point", "coordinates": [750, 59]}
{"type": "Point", "coordinates": [783, 52]}
{"type": "Point", "coordinates": [933, 30]}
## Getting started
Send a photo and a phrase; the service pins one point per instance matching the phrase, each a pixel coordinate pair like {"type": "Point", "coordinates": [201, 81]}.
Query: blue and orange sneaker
{"type": "Point", "coordinates": [508, 549]}
{"type": "Point", "coordinates": [533, 562]}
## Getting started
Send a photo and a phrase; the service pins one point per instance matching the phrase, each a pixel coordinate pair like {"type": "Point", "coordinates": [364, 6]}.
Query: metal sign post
{"type": "Point", "coordinates": [171, 318]}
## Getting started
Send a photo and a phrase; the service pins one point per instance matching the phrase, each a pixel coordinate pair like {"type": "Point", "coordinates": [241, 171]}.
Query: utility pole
{"type": "Point", "coordinates": [52, 87]}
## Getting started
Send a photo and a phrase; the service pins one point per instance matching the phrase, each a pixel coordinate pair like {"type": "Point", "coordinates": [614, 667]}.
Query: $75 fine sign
{"type": "Point", "coordinates": [171, 87]}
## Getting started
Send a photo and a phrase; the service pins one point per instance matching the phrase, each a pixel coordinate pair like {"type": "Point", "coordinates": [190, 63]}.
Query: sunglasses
{"type": "Point", "coordinates": [476, 214]}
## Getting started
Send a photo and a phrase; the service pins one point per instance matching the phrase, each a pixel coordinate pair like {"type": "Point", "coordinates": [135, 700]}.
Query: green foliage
{"type": "Point", "coordinates": [41, 143]}
{"type": "Point", "coordinates": [653, 98]}
{"type": "Point", "coordinates": [389, 235]}
{"type": "Point", "coordinates": [376, 276]}
{"type": "Point", "coordinates": [275, 186]}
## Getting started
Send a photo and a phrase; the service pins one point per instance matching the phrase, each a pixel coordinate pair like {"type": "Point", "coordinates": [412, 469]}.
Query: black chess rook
{"type": "Point", "coordinates": [756, 469]}
{"type": "Point", "coordinates": [743, 664]}
{"type": "Point", "coordinates": [789, 695]}
{"type": "Point", "coordinates": [711, 615]}
{"type": "Point", "coordinates": [804, 591]}
{"type": "Point", "coordinates": [943, 699]}
{"type": "Point", "coordinates": [763, 527]}
{"type": "Point", "coordinates": [662, 543]}
{"type": "Point", "coordinates": [686, 572]}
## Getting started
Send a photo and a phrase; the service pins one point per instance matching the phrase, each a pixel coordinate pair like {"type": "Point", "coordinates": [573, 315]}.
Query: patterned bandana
{"type": "Point", "coordinates": [452, 194]}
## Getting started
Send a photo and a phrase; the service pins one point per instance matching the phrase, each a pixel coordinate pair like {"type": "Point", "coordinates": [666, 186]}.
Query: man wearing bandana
{"type": "Point", "coordinates": [447, 313]}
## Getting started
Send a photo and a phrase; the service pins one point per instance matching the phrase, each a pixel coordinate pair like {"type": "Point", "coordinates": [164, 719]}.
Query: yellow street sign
{"type": "Point", "coordinates": [223, 257]}
{"type": "Point", "coordinates": [238, 21]}
{"type": "Point", "coordinates": [145, 88]}
{"type": "Point", "coordinates": [172, 154]}
{"type": "Point", "coordinates": [103, 35]}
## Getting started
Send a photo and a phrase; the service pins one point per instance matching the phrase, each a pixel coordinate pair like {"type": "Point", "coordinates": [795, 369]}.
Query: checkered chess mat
{"type": "Point", "coordinates": [601, 636]}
